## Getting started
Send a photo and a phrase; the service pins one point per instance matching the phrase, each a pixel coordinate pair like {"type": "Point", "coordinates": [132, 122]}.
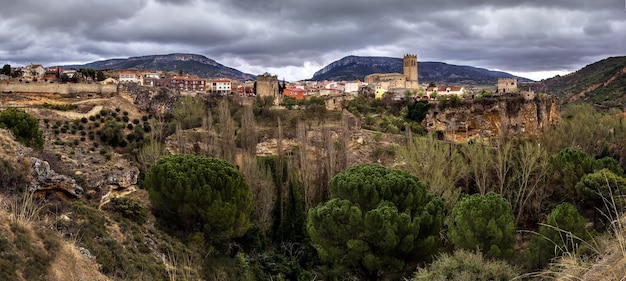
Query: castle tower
{"type": "Point", "coordinates": [507, 85]}
{"type": "Point", "coordinates": [410, 71]}
{"type": "Point", "coordinates": [267, 85]}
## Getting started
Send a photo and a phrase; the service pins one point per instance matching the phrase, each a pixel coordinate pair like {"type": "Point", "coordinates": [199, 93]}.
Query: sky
{"type": "Point", "coordinates": [536, 39]}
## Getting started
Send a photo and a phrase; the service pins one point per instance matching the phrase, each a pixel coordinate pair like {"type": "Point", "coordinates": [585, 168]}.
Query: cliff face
{"type": "Point", "coordinates": [489, 118]}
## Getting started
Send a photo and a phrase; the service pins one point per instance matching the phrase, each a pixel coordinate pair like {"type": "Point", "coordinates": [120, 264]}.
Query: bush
{"type": "Point", "coordinates": [466, 266]}
{"type": "Point", "coordinates": [130, 208]}
{"type": "Point", "coordinates": [200, 194]}
{"type": "Point", "coordinates": [112, 133]}
{"type": "Point", "coordinates": [23, 126]}
{"type": "Point", "coordinates": [60, 107]}
{"type": "Point", "coordinates": [485, 222]}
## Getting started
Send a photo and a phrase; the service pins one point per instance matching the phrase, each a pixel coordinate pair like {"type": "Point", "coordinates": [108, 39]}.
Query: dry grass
{"type": "Point", "coordinates": [70, 264]}
{"type": "Point", "coordinates": [25, 210]}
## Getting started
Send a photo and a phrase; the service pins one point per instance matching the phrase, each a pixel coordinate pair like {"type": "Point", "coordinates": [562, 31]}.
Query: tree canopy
{"type": "Point", "coordinates": [562, 231]}
{"type": "Point", "coordinates": [485, 222]}
{"type": "Point", "coordinates": [6, 70]}
{"type": "Point", "coordinates": [113, 133]}
{"type": "Point", "coordinates": [200, 194]}
{"type": "Point", "coordinates": [570, 165]}
{"type": "Point", "coordinates": [24, 126]}
{"type": "Point", "coordinates": [378, 220]}
{"type": "Point", "coordinates": [602, 185]}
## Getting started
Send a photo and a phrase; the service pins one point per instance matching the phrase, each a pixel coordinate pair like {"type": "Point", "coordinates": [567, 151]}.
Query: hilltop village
{"type": "Point", "coordinates": [396, 86]}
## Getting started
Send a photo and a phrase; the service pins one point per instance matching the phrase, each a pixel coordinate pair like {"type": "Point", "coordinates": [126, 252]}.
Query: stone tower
{"type": "Point", "coordinates": [507, 85]}
{"type": "Point", "coordinates": [410, 71]}
{"type": "Point", "coordinates": [267, 85]}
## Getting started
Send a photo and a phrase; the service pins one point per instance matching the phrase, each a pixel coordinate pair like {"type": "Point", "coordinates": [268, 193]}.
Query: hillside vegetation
{"type": "Point", "coordinates": [602, 83]}
{"type": "Point", "coordinates": [170, 187]}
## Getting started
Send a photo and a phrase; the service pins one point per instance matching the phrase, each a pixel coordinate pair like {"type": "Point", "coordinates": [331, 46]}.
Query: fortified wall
{"type": "Point", "coordinates": [55, 88]}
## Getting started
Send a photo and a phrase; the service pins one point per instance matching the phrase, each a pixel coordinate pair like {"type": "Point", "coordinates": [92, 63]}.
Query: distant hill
{"type": "Point", "coordinates": [189, 64]}
{"type": "Point", "coordinates": [602, 83]}
{"type": "Point", "coordinates": [355, 67]}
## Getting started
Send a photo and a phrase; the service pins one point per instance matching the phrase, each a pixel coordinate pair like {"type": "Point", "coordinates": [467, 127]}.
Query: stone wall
{"type": "Point", "coordinates": [57, 88]}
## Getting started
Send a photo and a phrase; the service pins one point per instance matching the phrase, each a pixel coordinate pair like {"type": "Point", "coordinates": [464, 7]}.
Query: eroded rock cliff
{"type": "Point", "coordinates": [491, 117]}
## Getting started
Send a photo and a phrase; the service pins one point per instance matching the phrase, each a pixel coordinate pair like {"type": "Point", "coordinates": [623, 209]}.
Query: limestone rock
{"type": "Point", "coordinates": [489, 118]}
{"type": "Point", "coordinates": [44, 179]}
{"type": "Point", "coordinates": [155, 100]}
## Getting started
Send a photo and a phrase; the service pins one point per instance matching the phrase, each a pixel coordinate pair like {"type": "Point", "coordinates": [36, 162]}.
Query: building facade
{"type": "Point", "coordinates": [130, 77]}
{"type": "Point", "coordinates": [220, 86]}
{"type": "Point", "coordinates": [188, 84]}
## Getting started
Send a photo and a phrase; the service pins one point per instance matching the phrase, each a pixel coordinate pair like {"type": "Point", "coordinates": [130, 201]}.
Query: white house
{"type": "Point", "coordinates": [130, 77]}
{"type": "Point", "coordinates": [221, 86]}
{"type": "Point", "coordinates": [352, 86]}
{"type": "Point", "coordinates": [34, 71]}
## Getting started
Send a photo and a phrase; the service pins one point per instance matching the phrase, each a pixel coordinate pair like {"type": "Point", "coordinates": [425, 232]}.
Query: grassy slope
{"type": "Point", "coordinates": [602, 83]}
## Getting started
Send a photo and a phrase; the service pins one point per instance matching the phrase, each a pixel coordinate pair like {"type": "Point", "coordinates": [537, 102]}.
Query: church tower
{"type": "Point", "coordinates": [410, 71]}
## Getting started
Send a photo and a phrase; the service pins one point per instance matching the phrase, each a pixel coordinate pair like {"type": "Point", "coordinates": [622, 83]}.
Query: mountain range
{"type": "Point", "coordinates": [357, 67]}
{"type": "Point", "coordinates": [193, 64]}
{"type": "Point", "coordinates": [347, 68]}
{"type": "Point", "coordinates": [602, 83]}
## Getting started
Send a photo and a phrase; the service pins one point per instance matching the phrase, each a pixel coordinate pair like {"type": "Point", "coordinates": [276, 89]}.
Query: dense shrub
{"type": "Point", "coordinates": [378, 220]}
{"type": "Point", "coordinates": [130, 208]}
{"type": "Point", "coordinates": [485, 222]}
{"type": "Point", "coordinates": [24, 126]}
{"type": "Point", "coordinates": [563, 231]}
{"type": "Point", "coordinates": [112, 133]}
{"type": "Point", "coordinates": [200, 194]}
{"type": "Point", "coordinates": [466, 266]}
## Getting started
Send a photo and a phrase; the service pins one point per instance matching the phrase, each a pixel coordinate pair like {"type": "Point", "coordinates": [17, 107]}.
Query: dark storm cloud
{"type": "Point", "coordinates": [298, 36]}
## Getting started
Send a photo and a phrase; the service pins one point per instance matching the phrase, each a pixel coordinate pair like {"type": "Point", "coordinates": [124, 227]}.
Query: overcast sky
{"type": "Point", "coordinates": [294, 38]}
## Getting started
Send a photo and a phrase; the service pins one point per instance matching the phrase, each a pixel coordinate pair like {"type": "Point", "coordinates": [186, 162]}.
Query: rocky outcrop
{"type": "Point", "coordinates": [109, 179]}
{"type": "Point", "coordinates": [492, 117]}
{"type": "Point", "coordinates": [151, 99]}
{"type": "Point", "coordinates": [45, 180]}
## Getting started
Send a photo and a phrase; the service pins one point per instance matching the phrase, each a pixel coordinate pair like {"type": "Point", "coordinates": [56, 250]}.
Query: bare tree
{"type": "Point", "coordinates": [503, 164]}
{"type": "Point", "coordinates": [436, 163]}
{"type": "Point", "coordinates": [248, 131]}
{"type": "Point", "coordinates": [227, 132]}
{"type": "Point", "coordinates": [262, 186]}
{"type": "Point", "coordinates": [305, 172]}
{"type": "Point", "coordinates": [150, 154]}
{"type": "Point", "coordinates": [480, 163]}
{"type": "Point", "coordinates": [188, 111]}
{"type": "Point", "coordinates": [531, 174]}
